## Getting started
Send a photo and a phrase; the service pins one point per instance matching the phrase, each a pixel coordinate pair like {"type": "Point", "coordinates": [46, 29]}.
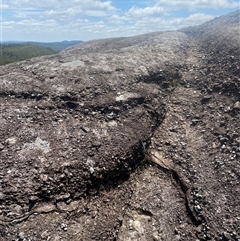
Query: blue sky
{"type": "Point", "coordinates": [58, 20]}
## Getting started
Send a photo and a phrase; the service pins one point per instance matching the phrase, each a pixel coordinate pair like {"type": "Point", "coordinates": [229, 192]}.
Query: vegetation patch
{"type": "Point", "coordinates": [10, 53]}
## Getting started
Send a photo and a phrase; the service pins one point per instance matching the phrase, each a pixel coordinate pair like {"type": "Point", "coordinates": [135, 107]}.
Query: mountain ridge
{"type": "Point", "coordinates": [57, 46]}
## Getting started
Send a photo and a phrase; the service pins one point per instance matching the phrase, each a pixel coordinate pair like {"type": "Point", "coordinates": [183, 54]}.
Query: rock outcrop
{"type": "Point", "coordinates": [124, 139]}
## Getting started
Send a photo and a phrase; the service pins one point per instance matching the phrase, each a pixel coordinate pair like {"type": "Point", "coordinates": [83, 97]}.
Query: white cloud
{"type": "Point", "coordinates": [61, 5]}
{"type": "Point", "coordinates": [191, 20]}
{"type": "Point", "coordinates": [91, 19]}
{"type": "Point", "coordinates": [4, 6]}
{"type": "Point", "coordinates": [101, 5]}
{"type": "Point", "coordinates": [19, 15]}
{"type": "Point", "coordinates": [95, 13]}
{"type": "Point", "coordinates": [197, 18]}
{"type": "Point", "coordinates": [143, 12]}
{"type": "Point", "coordinates": [32, 24]}
{"type": "Point", "coordinates": [116, 17]}
{"type": "Point", "coordinates": [64, 13]}
{"type": "Point", "coordinates": [196, 4]}
{"type": "Point", "coordinates": [161, 24]}
{"type": "Point", "coordinates": [7, 25]}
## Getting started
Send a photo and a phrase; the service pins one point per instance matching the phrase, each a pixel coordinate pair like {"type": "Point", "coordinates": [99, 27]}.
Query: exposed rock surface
{"type": "Point", "coordinates": [124, 139]}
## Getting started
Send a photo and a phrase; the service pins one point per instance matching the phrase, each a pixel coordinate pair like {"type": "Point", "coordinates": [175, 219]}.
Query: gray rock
{"type": "Point", "coordinates": [236, 106]}
{"type": "Point", "coordinates": [63, 227]}
{"type": "Point", "coordinates": [11, 141]}
{"type": "Point", "coordinates": [21, 236]}
{"type": "Point", "coordinates": [195, 121]}
{"type": "Point", "coordinates": [1, 146]}
{"type": "Point", "coordinates": [96, 144]}
{"type": "Point", "coordinates": [85, 129]}
{"type": "Point", "coordinates": [2, 196]}
{"type": "Point", "coordinates": [206, 99]}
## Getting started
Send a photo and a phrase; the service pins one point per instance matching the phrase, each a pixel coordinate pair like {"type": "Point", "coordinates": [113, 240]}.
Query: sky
{"type": "Point", "coordinates": [58, 20]}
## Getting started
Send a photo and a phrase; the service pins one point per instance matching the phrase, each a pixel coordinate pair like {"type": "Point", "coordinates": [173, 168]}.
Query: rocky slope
{"type": "Point", "coordinates": [124, 139]}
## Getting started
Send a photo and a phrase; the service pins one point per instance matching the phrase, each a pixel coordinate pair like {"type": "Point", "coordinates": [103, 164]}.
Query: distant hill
{"type": "Point", "coordinates": [13, 51]}
{"type": "Point", "coordinates": [10, 53]}
{"type": "Point", "coordinates": [57, 46]}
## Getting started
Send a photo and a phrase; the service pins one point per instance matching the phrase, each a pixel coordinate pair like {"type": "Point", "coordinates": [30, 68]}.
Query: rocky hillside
{"type": "Point", "coordinates": [124, 139]}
